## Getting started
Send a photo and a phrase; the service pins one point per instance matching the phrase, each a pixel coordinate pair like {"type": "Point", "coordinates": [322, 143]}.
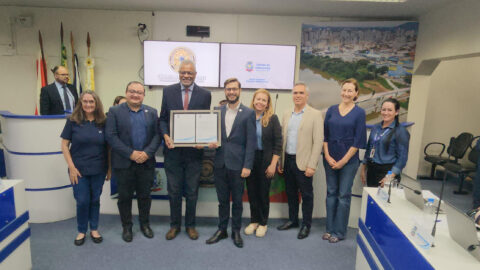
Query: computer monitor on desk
{"type": "Point", "coordinates": [413, 191]}
{"type": "Point", "coordinates": [462, 229]}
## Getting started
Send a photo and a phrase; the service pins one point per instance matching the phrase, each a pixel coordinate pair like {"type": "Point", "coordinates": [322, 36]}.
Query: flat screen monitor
{"type": "Point", "coordinates": [259, 66]}
{"type": "Point", "coordinates": [162, 60]}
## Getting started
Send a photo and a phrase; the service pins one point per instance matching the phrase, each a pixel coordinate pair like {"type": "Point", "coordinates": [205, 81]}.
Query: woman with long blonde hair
{"type": "Point", "coordinates": [267, 154]}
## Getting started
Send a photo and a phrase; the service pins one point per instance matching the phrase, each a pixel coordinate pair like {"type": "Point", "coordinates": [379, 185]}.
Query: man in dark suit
{"type": "Point", "coordinates": [182, 164]}
{"type": "Point", "coordinates": [58, 97]}
{"type": "Point", "coordinates": [132, 133]}
{"type": "Point", "coordinates": [233, 161]}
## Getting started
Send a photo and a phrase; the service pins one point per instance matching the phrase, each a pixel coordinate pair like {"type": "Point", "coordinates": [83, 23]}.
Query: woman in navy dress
{"type": "Point", "coordinates": [387, 147]}
{"type": "Point", "coordinates": [345, 133]}
{"type": "Point", "coordinates": [85, 150]}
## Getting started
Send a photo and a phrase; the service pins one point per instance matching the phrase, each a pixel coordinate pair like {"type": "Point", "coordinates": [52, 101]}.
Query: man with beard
{"type": "Point", "coordinates": [233, 161]}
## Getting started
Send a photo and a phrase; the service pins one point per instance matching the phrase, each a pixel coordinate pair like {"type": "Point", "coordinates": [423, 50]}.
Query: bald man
{"type": "Point", "coordinates": [58, 97]}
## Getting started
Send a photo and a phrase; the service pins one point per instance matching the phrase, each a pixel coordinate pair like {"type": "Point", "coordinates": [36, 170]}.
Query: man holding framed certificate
{"type": "Point", "coordinates": [182, 164]}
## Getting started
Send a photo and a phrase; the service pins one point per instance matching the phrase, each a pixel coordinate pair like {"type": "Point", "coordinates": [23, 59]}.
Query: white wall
{"type": "Point", "coordinates": [118, 57]}
{"type": "Point", "coordinates": [446, 103]}
{"type": "Point", "coordinates": [115, 47]}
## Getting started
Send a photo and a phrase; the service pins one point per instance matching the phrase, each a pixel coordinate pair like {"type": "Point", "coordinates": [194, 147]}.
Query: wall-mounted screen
{"type": "Point", "coordinates": [162, 60]}
{"type": "Point", "coordinates": [258, 66]}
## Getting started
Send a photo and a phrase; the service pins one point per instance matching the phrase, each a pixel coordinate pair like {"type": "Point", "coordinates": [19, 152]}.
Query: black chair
{"type": "Point", "coordinates": [462, 170]}
{"type": "Point", "coordinates": [456, 149]}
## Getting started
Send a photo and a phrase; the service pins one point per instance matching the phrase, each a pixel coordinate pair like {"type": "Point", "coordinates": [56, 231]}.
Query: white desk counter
{"type": "Point", "coordinates": [14, 230]}
{"type": "Point", "coordinates": [384, 238]}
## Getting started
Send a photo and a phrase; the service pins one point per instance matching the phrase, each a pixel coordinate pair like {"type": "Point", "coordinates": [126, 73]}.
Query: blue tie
{"type": "Point", "coordinates": [66, 99]}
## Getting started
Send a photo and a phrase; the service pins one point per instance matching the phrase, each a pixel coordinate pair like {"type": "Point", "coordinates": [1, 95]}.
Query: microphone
{"type": "Point", "coordinates": [434, 229]}
{"type": "Point", "coordinates": [276, 99]}
{"type": "Point", "coordinates": [416, 191]}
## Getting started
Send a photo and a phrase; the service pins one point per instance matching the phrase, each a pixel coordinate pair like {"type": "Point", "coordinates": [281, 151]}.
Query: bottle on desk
{"type": "Point", "coordinates": [429, 207]}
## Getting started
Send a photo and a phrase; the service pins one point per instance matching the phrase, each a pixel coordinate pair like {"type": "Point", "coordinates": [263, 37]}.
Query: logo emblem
{"type": "Point", "coordinates": [249, 66]}
{"type": "Point", "coordinates": [178, 55]}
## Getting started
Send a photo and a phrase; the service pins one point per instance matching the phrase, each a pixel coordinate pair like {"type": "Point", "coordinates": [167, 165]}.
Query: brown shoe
{"type": "Point", "coordinates": [192, 233]}
{"type": "Point", "coordinates": [172, 233]}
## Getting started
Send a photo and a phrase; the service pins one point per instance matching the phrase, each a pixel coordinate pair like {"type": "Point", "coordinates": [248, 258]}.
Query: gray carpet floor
{"type": "Point", "coordinates": [52, 248]}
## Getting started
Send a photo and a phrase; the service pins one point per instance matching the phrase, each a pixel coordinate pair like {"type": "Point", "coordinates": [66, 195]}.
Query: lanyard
{"type": "Point", "coordinates": [378, 136]}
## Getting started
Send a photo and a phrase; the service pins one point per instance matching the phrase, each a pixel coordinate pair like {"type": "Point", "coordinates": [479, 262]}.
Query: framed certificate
{"type": "Point", "coordinates": [195, 127]}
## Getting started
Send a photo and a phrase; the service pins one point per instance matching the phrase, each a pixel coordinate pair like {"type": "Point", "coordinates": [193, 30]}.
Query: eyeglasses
{"type": "Point", "coordinates": [187, 73]}
{"type": "Point", "coordinates": [64, 74]}
{"type": "Point", "coordinates": [131, 91]}
{"type": "Point", "coordinates": [232, 89]}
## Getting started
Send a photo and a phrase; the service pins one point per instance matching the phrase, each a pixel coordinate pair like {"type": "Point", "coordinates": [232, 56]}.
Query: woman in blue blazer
{"type": "Point", "coordinates": [85, 150]}
{"type": "Point", "coordinates": [268, 150]}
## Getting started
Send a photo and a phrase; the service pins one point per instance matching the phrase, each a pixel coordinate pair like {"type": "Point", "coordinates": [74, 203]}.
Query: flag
{"type": "Point", "coordinates": [63, 52]}
{"type": "Point", "coordinates": [41, 80]}
{"type": "Point", "coordinates": [89, 63]}
{"type": "Point", "coordinates": [76, 81]}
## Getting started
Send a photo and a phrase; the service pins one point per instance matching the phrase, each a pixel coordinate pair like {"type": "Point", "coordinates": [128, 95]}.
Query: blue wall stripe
{"type": "Point", "coordinates": [8, 114]}
{"type": "Point", "coordinates": [366, 253]}
{"type": "Point", "coordinates": [31, 154]}
{"type": "Point", "coordinates": [12, 226]}
{"type": "Point", "coordinates": [47, 189]}
{"type": "Point", "coordinates": [373, 244]}
{"type": "Point", "coordinates": [10, 248]}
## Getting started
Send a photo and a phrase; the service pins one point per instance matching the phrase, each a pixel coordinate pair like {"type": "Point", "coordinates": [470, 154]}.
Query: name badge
{"type": "Point", "coordinates": [372, 152]}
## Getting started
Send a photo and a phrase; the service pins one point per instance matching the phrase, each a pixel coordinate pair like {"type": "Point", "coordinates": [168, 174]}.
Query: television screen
{"type": "Point", "coordinates": [258, 66]}
{"type": "Point", "coordinates": [162, 60]}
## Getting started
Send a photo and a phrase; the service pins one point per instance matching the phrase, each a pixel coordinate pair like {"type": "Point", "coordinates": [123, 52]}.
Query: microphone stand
{"type": "Point", "coordinates": [434, 229]}
{"type": "Point", "coordinates": [393, 181]}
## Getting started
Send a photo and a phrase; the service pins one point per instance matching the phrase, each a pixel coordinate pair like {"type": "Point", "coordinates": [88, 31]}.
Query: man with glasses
{"type": "Point", "coordinates": [183, 165]}
{"type": "Point", "coordinates": [58, 97]}
{"type": "Point", "coordinates": [233, 161]}
{"type": "Point", "coordinates": [131, 131]}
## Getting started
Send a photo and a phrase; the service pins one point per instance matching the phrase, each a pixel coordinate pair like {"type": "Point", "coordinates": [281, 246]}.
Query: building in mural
{"type": "Point", "coordinates": [380, 55]}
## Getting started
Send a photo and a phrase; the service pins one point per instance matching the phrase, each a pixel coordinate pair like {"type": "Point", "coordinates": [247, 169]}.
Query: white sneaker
{"type": "Point", "coordinates": [261, 231]}
{"type": "Point", "coordinates": [251, 228]}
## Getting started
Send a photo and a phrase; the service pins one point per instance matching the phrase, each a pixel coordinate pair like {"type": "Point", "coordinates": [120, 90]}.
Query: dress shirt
{"type": "Point", "coordinates": [190, 91]}
{"type": "Point", "coordinates": [259, 132]}
{"type": "Point", "coordinates": [292, 132]}
{"type": "Point", "coordinates": [397, 151]}
{"type": "Point", "coordinates": [230, 115]}
{"type": "Point", "coordinates": [71, 99]}
{"type": "Point", "coordinates": [139, 128]}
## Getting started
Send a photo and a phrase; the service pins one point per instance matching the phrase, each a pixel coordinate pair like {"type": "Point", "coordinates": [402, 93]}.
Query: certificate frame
{"type": "Point", "coordinates": [188, 115]}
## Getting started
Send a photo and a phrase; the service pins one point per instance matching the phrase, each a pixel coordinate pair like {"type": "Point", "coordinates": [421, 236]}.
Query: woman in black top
{"type": "Point", "coordinates": [85, 150]}
{"type": "Point", "coordinates": [269, 148]}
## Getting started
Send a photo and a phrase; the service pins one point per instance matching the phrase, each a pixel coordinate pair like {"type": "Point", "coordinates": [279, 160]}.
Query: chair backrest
{"type": "Point", "coordinates": [459, 145]}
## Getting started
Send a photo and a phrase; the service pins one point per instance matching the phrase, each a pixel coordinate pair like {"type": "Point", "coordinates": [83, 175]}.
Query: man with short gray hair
{"type": "Point", "coordinates": [183, 165]}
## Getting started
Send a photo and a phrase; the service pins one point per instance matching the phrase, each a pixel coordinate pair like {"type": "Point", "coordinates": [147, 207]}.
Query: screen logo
{"type": "Point", "coordinates": [249, 66]}
{"type": "Point", "coordinates": [178, 55]}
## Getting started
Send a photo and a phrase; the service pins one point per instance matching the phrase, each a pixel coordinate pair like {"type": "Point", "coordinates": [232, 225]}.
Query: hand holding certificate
{"type": "Point", "coordinates": [195, 127]}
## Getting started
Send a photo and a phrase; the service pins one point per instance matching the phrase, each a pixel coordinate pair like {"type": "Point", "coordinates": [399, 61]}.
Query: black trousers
{"type": "Point", "coordinates": [376, 172]}
{"type": "Point", "coordinates": [296, 180]}
{"type": "Point", "coordinates": [183, 167]}
{"type": "Point", "coordinates": [258, 189]}
{"type": "Point", "coordinates": [138, 178]}
{"type": "Point", "coordinates": [228, 182]}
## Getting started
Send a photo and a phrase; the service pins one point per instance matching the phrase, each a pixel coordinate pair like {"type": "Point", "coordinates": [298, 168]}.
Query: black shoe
{"type": "Point", "coordinates": [147, 231]}
{"type": "Point", "coordinates": [303, 233]}
{"type": "Point", "coordinates": [219, 235]}
{"type": "Point", "coordinates": [79, 242]}
{"type": "Point", "coordinates": [96, 240]}
{"type": "Point", "coordinates": [287, 225]}
{"type": "Point", "coordinates": [127, 234]}
{"type": "Point", "coordinates": [237, 239]}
